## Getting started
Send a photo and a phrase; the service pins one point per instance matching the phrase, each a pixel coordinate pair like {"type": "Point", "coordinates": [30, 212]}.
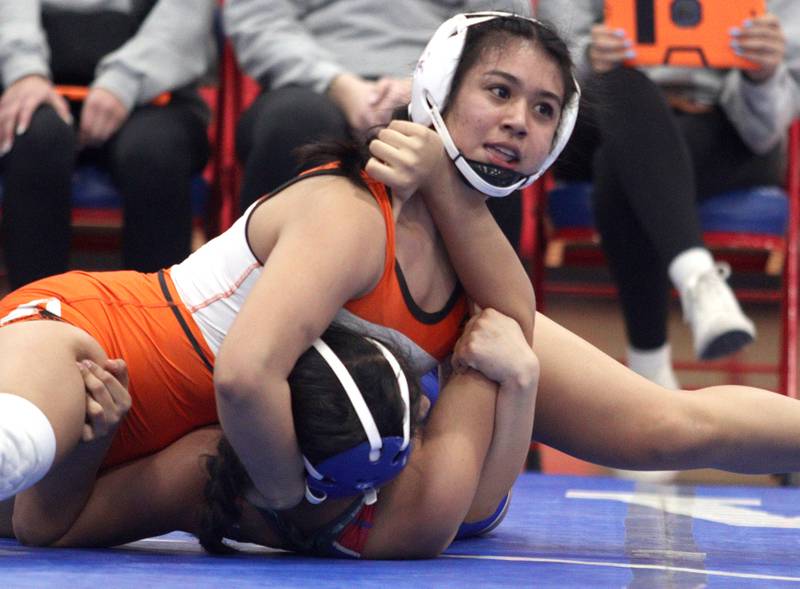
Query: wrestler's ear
{"type": "Point", "coordinates": [424, 407]}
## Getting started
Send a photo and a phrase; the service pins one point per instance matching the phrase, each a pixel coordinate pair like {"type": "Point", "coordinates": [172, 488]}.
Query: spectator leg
{"type": "Point", "coordinates": [275, 125]}
{"type": "Point", "coordinates": [152, 160]}
{"type": "Point", "coordinates": [643, 147]}
{"type": "Point", "coordinates": [635, 265]}
{"type": "Point", "coordinates": [36, 202]}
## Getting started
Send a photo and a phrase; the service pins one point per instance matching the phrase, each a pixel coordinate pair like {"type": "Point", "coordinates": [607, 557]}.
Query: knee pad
{"type": "Point", "coordinates": [27, 445]}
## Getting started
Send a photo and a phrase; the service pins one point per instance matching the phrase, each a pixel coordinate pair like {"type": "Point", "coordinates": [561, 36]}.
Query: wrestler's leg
{"type": "Point", "coordinates": [42, 397]}
{"type": "Point", "coordinates": [592, 407]}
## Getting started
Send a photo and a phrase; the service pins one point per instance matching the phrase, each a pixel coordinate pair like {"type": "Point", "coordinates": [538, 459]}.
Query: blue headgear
{"type": "Point", "coordinates": [430, 89]}
{"type": "Point", "coordinates": [364, 468]}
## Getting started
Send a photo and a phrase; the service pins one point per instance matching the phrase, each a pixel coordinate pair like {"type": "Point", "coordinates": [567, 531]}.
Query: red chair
{"type": "Point", "coordinates": [558, 230]}
{"type": "Point", "coordinates": [237, 91]}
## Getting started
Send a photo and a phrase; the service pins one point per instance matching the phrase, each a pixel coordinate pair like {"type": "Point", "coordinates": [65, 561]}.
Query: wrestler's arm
{"type": "Point", "coordinates": [317, 262]}
{"type": "Point", "coordinates": [493, 344]}
{"type": "Point", "coordinates": [486, 263]}
{"type": "Point", "coordinates": [420, 511]}
{"type": "Point", "coordinates": [146, 497]}
{"type": "Point", "coordinates": [51, 506]}
{"type": "Point", "coordinates": [411, 155]}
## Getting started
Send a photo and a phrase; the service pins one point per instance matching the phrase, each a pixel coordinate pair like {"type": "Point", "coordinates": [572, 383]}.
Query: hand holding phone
{"type": "Point", "coordinates": [695, 33]}
{"type": "Point", "coordinates": [761, 41]}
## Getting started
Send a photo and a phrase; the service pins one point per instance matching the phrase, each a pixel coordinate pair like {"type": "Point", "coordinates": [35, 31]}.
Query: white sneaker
{"type": "Point", "coordinates": [710, 308]}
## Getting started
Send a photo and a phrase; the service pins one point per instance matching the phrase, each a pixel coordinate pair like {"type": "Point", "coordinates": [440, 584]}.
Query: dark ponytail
{"type": "Point", "coordinates": [352, 154]}
{"type": "Point", "coordinates": [221, 509]}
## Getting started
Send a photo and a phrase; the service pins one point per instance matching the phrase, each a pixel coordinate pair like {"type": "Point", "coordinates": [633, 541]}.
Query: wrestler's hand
{"type": "Point", "coordinates": [609, 48]}
{"type": "Point", "coordinates": [101, 116]}
{"type": "Point", "coordinates": [107, 397]}
{"type": "Point", "coordinates": [20, 101]}
{"type": "Point", "coordinates": [760, 40]}
{"type": "Point", "coordinates": [405, 156]}
{"type": "Point", "coordinates": [493, 344]}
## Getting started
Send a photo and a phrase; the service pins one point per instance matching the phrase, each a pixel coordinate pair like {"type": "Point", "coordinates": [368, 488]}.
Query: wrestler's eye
{"type": "Point", "coordinates": [500, 91]}
{"type": "Point", "coordinates": [545, 109]}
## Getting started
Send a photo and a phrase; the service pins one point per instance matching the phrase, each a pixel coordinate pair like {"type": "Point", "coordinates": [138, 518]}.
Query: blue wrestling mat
{"type": "Point", "coordinates": [560, 532]}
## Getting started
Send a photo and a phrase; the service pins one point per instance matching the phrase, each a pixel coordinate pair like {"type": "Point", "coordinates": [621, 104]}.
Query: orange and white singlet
{"type": "Point", "coordinates": [214, 282]}
{"type": "Point", "coordinates": [168, 326]}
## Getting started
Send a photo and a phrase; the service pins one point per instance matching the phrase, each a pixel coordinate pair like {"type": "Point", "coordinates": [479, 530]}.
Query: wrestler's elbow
{"type": "Point", "coordinates": [235, 380]}
{"type": "Point", "coordinates": [432, 541]}
{"type": "Point", "coordinates": [434, 532]}
{"type": "Point", "coordinates": [34, 531]}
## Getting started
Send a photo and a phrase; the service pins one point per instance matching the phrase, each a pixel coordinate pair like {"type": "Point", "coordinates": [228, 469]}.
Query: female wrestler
{"type": "Point", "coordinates": [272, 282]}
{"type": "Point", "coordinates": [268, 286]}
{"type": "Point", "coordinates": [462, 465]}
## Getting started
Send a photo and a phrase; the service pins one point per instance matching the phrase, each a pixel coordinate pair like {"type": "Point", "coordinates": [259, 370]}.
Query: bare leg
{"type": "Point", "coordinates": [38, 363]}
{"type": "Point", "coordinates": [593, 407]}
{"type": "Point", "coordinates": [42, 397]}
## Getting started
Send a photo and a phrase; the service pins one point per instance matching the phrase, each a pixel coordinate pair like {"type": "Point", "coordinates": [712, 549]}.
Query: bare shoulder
{"type": "Point", "coordinates": [317, 206]}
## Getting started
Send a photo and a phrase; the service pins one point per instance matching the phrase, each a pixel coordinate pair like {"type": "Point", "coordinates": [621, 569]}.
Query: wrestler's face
{"type": "Point", "coordinates": [508, 106]}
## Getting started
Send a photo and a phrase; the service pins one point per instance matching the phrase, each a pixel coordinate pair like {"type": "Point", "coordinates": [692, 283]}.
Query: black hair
{"type": "Point", "coordinates": [325, 422]}
{"type": "Point", "coordinates": [495, 33]}
{"type": "Point", "coordinates": [353, 155]}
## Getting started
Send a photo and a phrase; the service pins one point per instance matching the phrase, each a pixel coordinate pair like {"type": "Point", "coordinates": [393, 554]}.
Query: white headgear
{"type": "Point", "coordinates": [430, 90]}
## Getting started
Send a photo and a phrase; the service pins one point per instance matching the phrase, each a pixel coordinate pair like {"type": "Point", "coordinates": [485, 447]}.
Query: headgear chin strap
{"type": "Point", "coordinates": [363, 468]}
{"type": "Point", "coordinates": [430, 91]}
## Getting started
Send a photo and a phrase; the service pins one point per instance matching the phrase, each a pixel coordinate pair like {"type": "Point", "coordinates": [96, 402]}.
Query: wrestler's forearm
{"type": "Point", "coordinates": [260, 428]}
{"type": "Point", "coordinates": [513, 426]}
{"type": "Point", "coordinates": [423, 507]}
{"type": "Point", "coordinates": [58, 499]}
{"type": "Point", "coordinates": [153, 495]}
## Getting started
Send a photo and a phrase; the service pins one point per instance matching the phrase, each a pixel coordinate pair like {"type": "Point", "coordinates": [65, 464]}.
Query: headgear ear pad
{"type": "Point", "coordinates": [436, 67]}
{"type": "Point", "coordinates": [430, 89]}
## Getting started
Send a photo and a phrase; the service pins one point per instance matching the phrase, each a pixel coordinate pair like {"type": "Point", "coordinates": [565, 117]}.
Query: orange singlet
{"type": "Point", "coordinates": [130, 316]}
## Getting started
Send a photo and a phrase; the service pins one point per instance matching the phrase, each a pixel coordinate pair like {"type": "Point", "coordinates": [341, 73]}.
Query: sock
{"type": "Point", "coordinates": [655, 365]}
{"type": "Point", "coordinates": [687, 264]}
{"type": "Point", "coordinates": [27, 445]}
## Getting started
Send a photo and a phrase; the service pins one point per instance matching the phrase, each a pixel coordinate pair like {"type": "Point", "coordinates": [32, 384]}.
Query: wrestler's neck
{"type": "Point", "coordinates": [413, 215]}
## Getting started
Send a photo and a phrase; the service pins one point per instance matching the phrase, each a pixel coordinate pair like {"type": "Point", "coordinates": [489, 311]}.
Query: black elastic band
{"type": "Point", "coordinates": [182, 322]}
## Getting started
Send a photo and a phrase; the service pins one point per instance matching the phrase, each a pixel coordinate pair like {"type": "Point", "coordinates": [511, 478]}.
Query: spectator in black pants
{"type": "Point", "coordinates": [655, 142]}
{"type": "Point", "coordinates": [126, 60]}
